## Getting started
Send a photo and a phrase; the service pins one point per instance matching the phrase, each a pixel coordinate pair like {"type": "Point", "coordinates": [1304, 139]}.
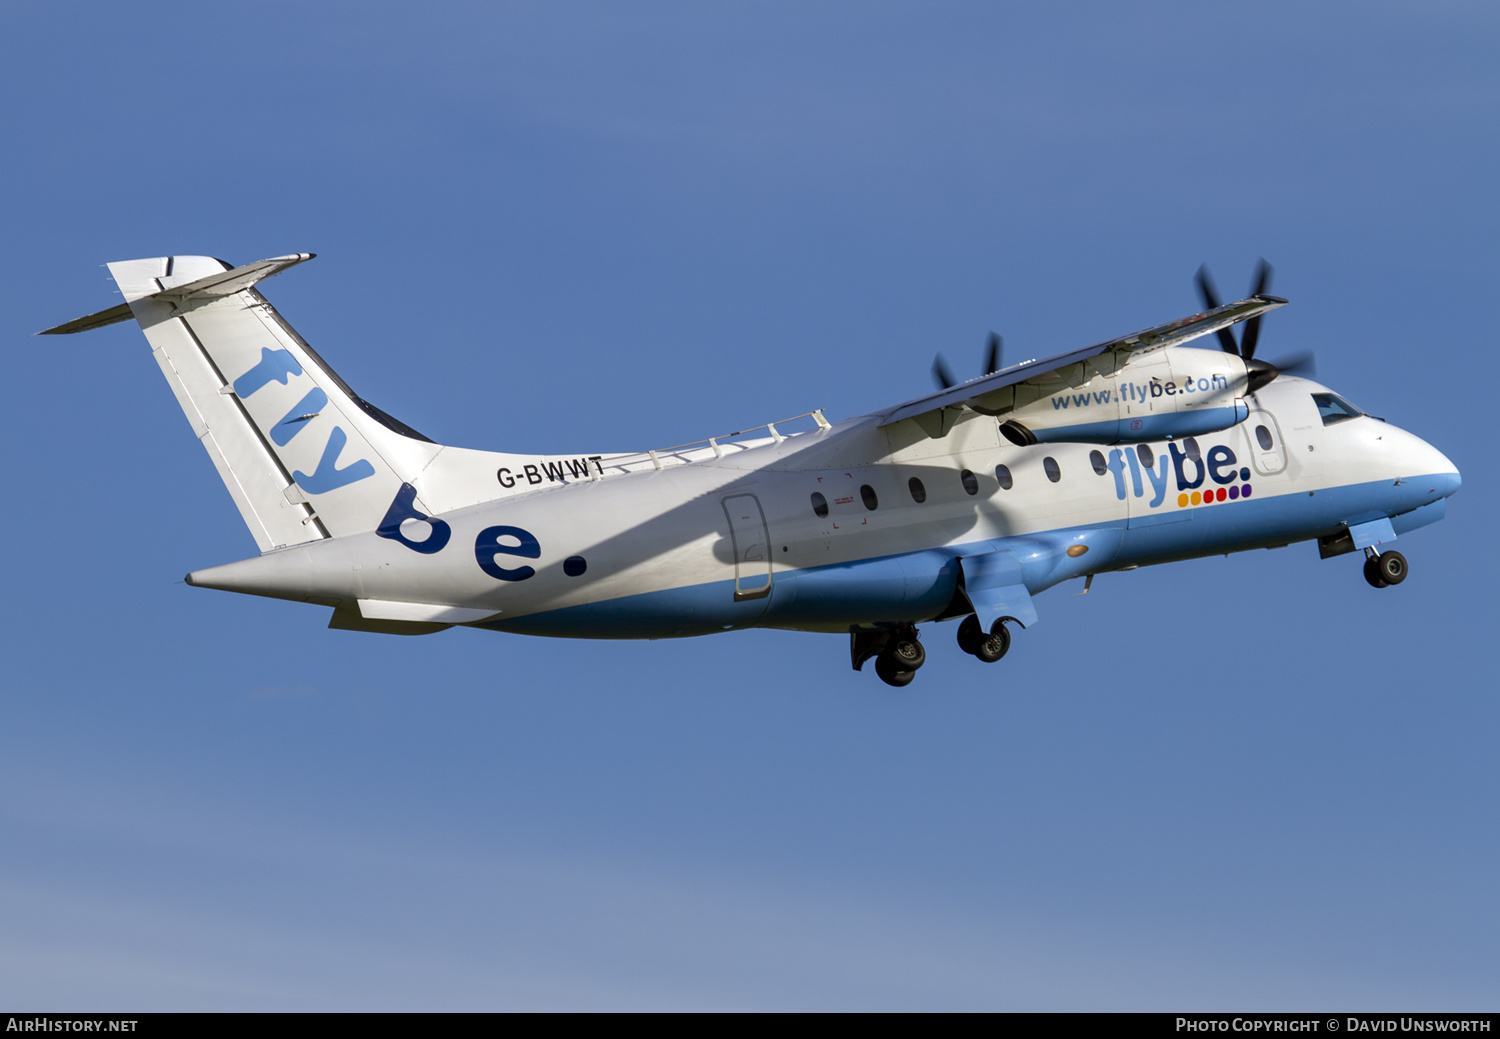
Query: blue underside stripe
{"type": "Point", "coordinates": [919, 585]}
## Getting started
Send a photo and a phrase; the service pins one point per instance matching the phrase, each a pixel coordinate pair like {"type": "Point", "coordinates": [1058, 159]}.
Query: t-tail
{"type": "Point", "coordinates": [302, 455]}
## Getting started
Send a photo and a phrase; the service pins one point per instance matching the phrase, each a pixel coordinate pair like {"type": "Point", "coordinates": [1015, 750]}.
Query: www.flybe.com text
{"type": "Point", "coordinates": [1132, 392]}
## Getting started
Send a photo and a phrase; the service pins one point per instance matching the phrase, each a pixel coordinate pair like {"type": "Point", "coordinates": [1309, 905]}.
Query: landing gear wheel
{"type": "Point", "coordinates": [1392, 567]}
{"type": "Point", "coordinates": [907, 653]}
{"type": "Point", "coordinates": [970, 634]}
{"type": "Point", "coordinates": [891, 672]}
{"type": "Point", "coordinates": [1372, 573]}
{"type": "Point", "coordinates": [994, 645]}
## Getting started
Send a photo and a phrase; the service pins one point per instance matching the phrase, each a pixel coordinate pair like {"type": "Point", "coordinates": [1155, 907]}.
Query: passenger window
{"type": "Point", "coordinates": [1263, 438]}
{"type": "Point", "coordinates": [1049, 466]}
{"type": "Point", "coordinates": [970, 482]}
{"type": "Point", "coordinates": [918, 492]}
{"type": "Point", "coordinates": [1144, 453]}
{"type": "Point", "coordinates": [1002, 473]}
{"type": "Point", "coordinates": [820, 505]}
{"type": "Point", "coordinates": [1333, 408]}
{"type": "Point", "coordinates": [1190, 448]}
{"type": "Point", "coordinates": [1096, 459]}
{"type": "Point", "coordinates": [867, 495]}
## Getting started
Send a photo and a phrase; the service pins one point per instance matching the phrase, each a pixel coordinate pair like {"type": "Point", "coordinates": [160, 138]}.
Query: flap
{"type": "Point", "coordinates": [1171, 334]}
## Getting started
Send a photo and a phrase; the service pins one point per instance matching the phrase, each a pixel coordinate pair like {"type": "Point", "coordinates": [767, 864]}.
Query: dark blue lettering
{"type": "Point", "coordinates": [403, 508]}
{"type": "Point", "coordinates": [1178, 458]}
{"type": "Point", "coordinates": [488, 545]}
{"type": "Point", "coordinates": [1218, 458]}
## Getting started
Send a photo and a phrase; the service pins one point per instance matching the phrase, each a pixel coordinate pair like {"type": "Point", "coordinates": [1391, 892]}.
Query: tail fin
{"type": "Point", "coordinates": [302, 455]}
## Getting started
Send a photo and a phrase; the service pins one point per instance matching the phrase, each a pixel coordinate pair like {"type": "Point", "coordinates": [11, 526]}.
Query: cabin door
{"type": "Point", "coordinates": [752, 547]}
{"type": "Point", "coordinates": [1266, 446]}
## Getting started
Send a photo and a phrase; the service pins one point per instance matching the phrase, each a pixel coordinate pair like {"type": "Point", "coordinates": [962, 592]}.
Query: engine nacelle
{"type": "Point", "coordinates": [1115, 398]}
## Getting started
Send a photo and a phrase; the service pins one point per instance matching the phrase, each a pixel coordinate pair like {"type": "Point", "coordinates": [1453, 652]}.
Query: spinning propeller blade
{"type": "Point", "coordinates": [942, 374]}
{"type": "Point", "coordinates": [1260, 372]}
{"type": "Point", "coordinates": [992, 354]}
{"type": "Point", "coordinates": [1210, 302]}
{"type": "Point", "coordinates": [1252, 327]}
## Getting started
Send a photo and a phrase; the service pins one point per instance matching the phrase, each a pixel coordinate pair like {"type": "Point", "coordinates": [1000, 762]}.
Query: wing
{"type": "Point", "coordinates": [1171, 334]}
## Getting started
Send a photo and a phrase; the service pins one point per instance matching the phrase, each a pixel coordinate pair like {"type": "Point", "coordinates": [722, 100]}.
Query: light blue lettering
{"type": "Point", "coordinates": [328, 477]}
{"type": "Point", "coordinates": [296, 420]}
{"type": "Point", "coordinates": [274, 366]}
{"type": "Point", "coordinates": [1158, 481]}
{"type": "Point", "coordinates": [1118, 468]}
{"type": "Point", "coordinates": [1135, 474]}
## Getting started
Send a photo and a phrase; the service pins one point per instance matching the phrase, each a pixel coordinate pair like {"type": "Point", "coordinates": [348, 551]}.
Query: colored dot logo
{"type": "Point", "coordinates": [1208, 497]}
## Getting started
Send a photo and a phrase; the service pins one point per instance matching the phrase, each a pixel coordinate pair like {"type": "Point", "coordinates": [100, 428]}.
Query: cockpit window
{"type": "Point", "coordinates": [1333, 408]}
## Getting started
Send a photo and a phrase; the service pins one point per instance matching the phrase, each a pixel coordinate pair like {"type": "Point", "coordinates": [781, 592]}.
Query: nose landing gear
{"type": "Point", "coordinates": [1384, 568]}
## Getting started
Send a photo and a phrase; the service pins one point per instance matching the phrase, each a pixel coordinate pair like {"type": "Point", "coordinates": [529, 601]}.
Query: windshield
{"type": "Point", "coordinates": [1333, 408]}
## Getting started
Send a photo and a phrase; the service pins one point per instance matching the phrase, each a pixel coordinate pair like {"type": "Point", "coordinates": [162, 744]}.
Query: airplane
{"type": "Point", "coordinates": [961, 504]}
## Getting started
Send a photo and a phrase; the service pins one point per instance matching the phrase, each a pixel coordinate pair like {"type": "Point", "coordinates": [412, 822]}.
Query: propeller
{"type": "Point", "coordinates": [943, 375]}
{"type": "Point", "coordinates": [1260, 372]}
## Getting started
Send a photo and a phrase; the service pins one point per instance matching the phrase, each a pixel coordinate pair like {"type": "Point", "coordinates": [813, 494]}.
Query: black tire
{"type": "Point", "coordinates": [970, 634]}
{"type": "Point", "coordinates": [994, 645]}
{"type": "Point", "coordinates": [1372, 573]}
{"type": "Point", "coordinates": [891, 672]}
{"type": "Point", "coordinates": [1392, 566]}
{"type": "Point", "coordinates": [908, 653]}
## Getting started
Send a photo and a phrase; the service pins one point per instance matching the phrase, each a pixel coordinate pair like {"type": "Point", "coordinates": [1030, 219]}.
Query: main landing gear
{"type": "Point", "coordinates": [897, 652]}
{"type": "Point", "coordinates": [1384, 568]}
{"type": "Point", "coordinates": [990, 647]}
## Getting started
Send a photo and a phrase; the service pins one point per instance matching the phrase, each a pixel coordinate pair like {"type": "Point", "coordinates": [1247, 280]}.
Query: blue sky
{"type": "Point", "coordinates": [1244, 782]}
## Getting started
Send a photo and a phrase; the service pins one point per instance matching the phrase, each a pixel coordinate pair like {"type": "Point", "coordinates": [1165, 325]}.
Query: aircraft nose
{"type": "Point", "coordinates": [1447, 484]}
{"type": "Point", "coordinates": [1440, 476]}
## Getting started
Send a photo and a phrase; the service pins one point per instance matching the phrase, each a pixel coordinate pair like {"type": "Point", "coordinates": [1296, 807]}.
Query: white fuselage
{"type": "Point", "coordinates": [740, 540]}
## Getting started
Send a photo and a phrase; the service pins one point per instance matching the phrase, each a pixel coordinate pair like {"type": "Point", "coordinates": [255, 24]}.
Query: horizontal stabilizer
{"type": "Point", "coordinates": [215, 286]}
{"type": "Point", "coordinates": [229, 282]}
{"type": "Point", "coordinates": [112, 316]}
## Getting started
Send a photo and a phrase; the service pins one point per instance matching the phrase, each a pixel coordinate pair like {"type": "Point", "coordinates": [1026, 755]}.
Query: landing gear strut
{"type": "Point", "coordinates": [897, 652]}
{"type": "Point", "coordinates": [987, 647]}
{"type": "Point", "coordinates": [1385, 568]}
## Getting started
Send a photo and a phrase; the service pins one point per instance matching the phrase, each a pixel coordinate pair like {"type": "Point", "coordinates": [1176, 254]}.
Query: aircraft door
{"type": "Point", "coordinates": [1267, 449]}
{"type": "Point", "coordinates": [752, 547]}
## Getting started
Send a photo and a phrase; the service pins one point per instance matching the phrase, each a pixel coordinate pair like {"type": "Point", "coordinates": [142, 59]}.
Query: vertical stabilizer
{"type": "Point", "coordinates": [303, 457]}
